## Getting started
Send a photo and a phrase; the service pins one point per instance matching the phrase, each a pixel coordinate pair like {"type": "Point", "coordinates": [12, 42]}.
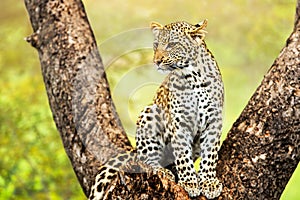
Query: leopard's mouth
{"type": "Point", "coordinates": [163, 70]}
{"type": "Point", "coordinates": [166, 68]}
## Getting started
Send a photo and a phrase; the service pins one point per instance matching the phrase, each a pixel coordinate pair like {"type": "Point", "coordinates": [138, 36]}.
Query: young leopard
{"type": "Point", "coordinates": [185, 120]}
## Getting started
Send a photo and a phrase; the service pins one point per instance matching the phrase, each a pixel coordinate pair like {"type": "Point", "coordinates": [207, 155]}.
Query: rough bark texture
{"type": "Point", "coordinates": [76, 85]}
{"type": "Point", "coordinates": [262, 149]}
{"type": "Point", "coordinates": [256, 160]}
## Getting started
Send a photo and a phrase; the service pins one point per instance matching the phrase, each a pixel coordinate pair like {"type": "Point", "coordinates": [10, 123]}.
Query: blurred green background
{"type": "Point", "coordinates": [244, 35]}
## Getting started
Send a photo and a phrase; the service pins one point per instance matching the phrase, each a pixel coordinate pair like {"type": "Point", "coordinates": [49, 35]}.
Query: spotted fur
{"type": "Point", "coordinates": [105, 178]}
{"type": "Point", "coordinates": [185, 120]}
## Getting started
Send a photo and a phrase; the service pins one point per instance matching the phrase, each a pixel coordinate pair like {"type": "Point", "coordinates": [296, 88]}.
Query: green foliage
{"type": "Point", "coordinates": [245, 37]}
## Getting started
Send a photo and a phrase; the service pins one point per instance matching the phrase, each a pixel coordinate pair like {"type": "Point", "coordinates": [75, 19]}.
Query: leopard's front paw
{"type": "Point", "coordinates": [192, 188]}
{"type": "Point", "coordinates": [211, 188]}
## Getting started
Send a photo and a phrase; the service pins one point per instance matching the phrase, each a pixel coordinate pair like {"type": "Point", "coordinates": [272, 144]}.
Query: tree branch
{"type": "Point", "coordinates": [76, 85]}
{"type": "Point", "coordinates": [262, 151]}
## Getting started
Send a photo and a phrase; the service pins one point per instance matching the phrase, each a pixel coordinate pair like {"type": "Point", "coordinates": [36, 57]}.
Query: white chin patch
{"type": "Point", "coordinates": [162, 70]}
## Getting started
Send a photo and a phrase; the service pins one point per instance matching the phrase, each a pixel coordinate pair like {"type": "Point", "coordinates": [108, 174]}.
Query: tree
{"type": "Point", "coordinates": [256, 160]}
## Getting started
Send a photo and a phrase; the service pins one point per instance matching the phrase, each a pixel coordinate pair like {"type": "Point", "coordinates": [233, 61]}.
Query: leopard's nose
{"type": "Point", "coordinates": [159, 56]}
{"type": "Point", "coordinates": [158, 61]}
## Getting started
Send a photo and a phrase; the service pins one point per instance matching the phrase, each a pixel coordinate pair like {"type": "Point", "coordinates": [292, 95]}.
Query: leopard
{"type": "Point", "coordinates": [184, 122]}
{"type": "Point", "coordinates": [107, 174]}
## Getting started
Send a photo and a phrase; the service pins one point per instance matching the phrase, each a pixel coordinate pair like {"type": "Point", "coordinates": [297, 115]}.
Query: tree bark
{"type": "Point", "coordinates": [76, 85]}
{"type": "Point", "coordinates": [262, 151]}
{"type": "Point", "coordinates": [255, 161]}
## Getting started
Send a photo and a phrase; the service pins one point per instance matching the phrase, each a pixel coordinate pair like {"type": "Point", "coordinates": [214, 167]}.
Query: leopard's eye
{"type": "Point", "coordinates": [171, 45]}
{"type": "Point", "coordinates": [155, 45]}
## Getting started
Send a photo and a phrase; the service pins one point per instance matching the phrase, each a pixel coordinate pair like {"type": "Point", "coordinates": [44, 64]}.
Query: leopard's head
{"type": "Point", "coordinates": [176, 45]}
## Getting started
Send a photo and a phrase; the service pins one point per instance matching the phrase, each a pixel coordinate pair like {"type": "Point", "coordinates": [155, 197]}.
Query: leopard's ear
{"type": "Point", "coordinates": [155, 27]}
{"type": "Point", "coordinates": [201, 25]}
{"type": "Point", "coordinates": [198, 32]}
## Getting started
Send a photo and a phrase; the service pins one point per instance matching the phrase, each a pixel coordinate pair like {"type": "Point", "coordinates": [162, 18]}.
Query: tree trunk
{"type": "Point", "coordinates": [76, 85]}
{"type": "Point", "coordinates": [256, 160]}
{"type": "Point", "coordinates": [262, 151]}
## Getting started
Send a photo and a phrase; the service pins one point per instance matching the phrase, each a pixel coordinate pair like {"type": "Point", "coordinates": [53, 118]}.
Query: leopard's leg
{"type": "Point", "coordinates": [211, 187]}
{"type": "Point", "coordinates": [149, 139]}
{"type": "Point", "coordinates": [187, 177]}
